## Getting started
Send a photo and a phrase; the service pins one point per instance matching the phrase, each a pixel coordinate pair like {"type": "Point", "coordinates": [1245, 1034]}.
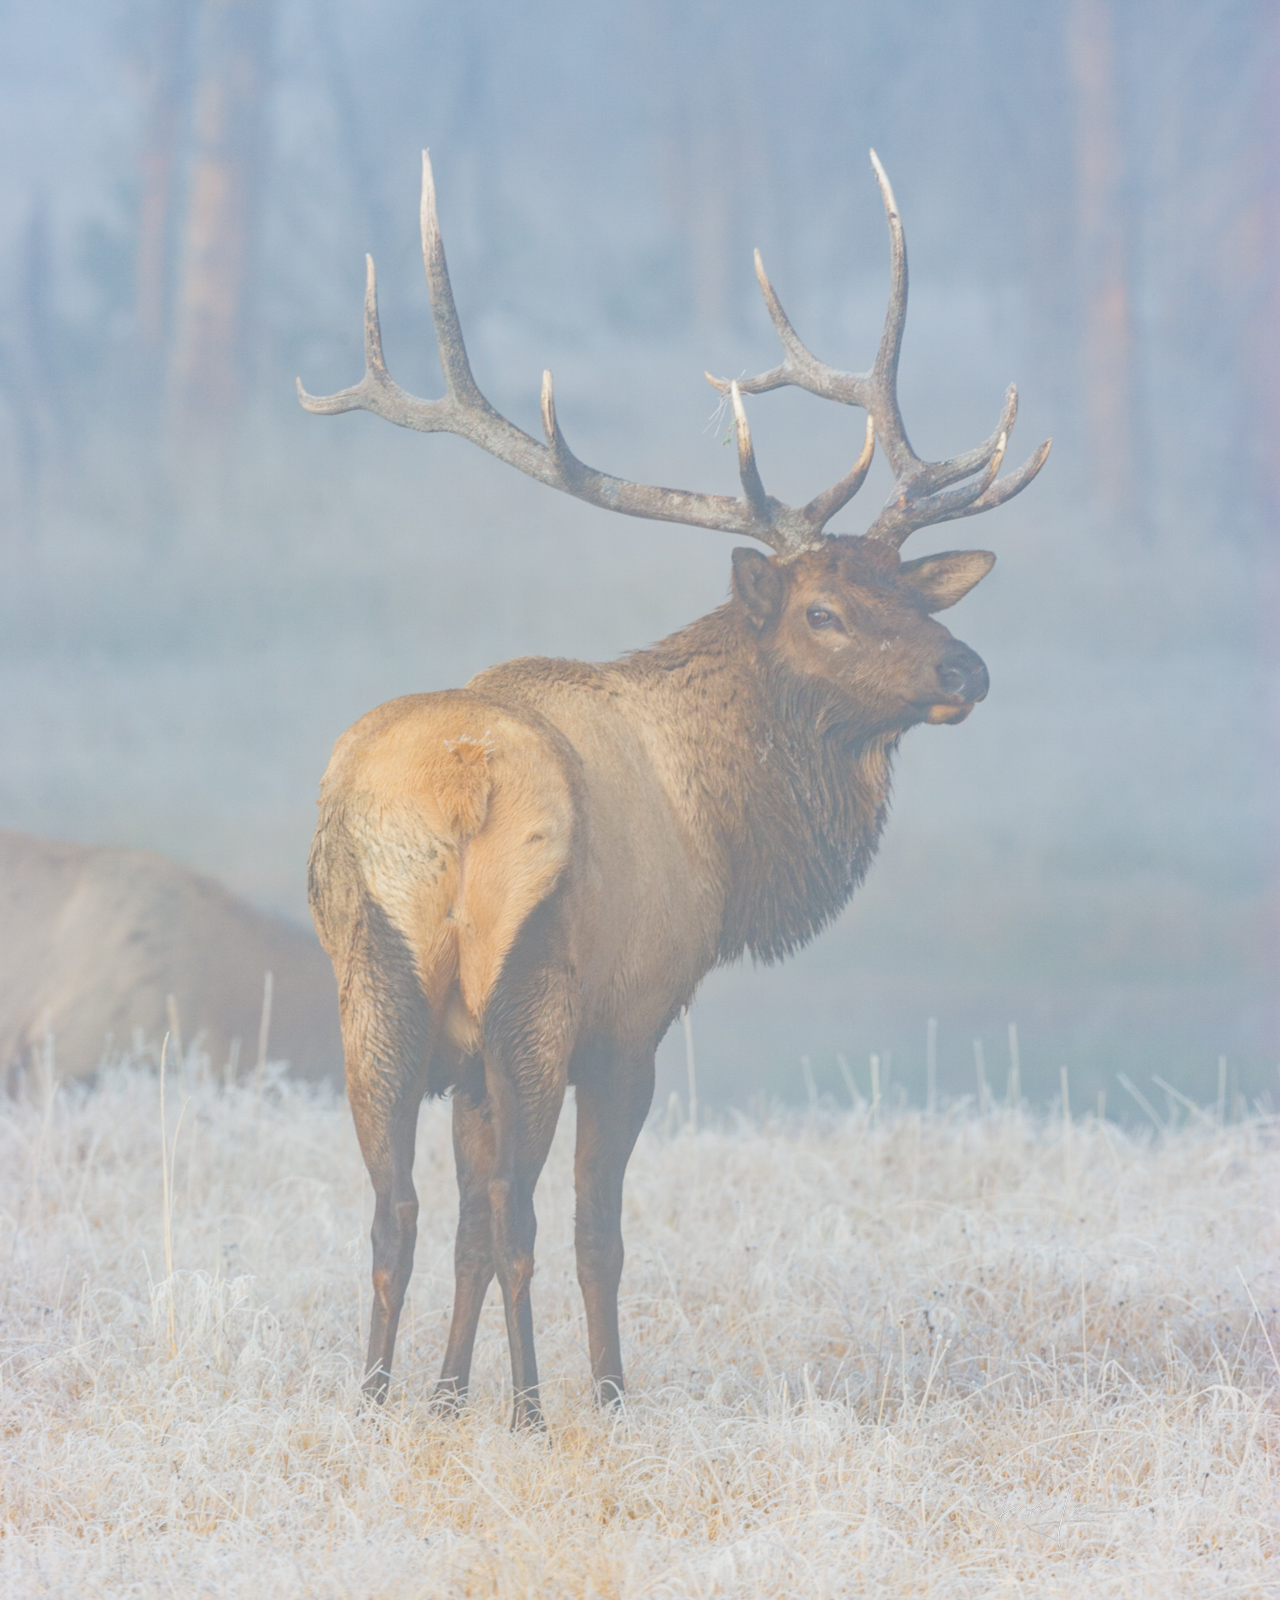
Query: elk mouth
{"type": "Point", "coordinates": [949, 714]}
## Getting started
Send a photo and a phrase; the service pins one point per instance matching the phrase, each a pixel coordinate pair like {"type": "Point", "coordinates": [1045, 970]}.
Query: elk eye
{"type": "Point", "coordinates": [818, 617]}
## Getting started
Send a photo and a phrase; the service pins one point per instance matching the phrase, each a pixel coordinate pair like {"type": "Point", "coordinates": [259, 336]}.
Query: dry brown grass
{"type": "Point", "coordinates": [952, 1357]}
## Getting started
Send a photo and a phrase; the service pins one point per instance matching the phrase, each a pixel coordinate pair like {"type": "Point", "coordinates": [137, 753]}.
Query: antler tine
{"type": "Point", "coordinates": [444, 313]}
{"type": "Point", "coordinates": [1005, 488]}
{"type": "Point", "coordinates": [374, 361]}
{"type": "Point", "coordinates": [550, 426]}
{"type": "Point", "coordinates": [800, 367]}
{"type": "Point", "coordinates": [752, 486]}
{"type": "Point", "coordinates": [883, 377]}
{"type": "Point", "coordinates": [930, 476]}
{"type": "Point", "coordinates": [899, 520]}
{"type": "Point", "coordinates": [571, 470]}
{"type": "Point", "coordinates": [915, 500]}
{"type": "Point", "coordinates": [376, 380]}
{"type": "Point", "coordinates": [463, 410]}
{"type": "Point", "coordinates": [791, 341]}
{"type": "Point", "coordinates": [938, 474]}
{"type": "Point", "coordinates": [944, 504]}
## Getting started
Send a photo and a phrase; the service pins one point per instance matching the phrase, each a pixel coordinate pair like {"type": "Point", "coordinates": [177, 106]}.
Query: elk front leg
{"type": "Point", "coordinates": [613, 1100]}
{"type": "Point", "coordinates": [473, 1250]}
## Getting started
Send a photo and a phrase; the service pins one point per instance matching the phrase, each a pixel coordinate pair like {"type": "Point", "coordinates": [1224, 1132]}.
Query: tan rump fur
{"type": "Point", "coordinates": [457, 773]}
{"type": "Point", "coordinates": [461, 823]}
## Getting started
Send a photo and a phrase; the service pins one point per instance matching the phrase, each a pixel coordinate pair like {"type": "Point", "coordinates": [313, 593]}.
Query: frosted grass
{"type": "Point", "coordinates": [949, 1356]}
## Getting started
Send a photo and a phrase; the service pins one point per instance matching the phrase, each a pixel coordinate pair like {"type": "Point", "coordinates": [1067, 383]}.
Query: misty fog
{"type": "Point", "coordinates": [204, 586]}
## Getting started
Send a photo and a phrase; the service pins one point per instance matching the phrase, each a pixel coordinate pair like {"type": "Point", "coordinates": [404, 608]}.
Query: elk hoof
{"type": "Point", "coordinates": [526, 1415]}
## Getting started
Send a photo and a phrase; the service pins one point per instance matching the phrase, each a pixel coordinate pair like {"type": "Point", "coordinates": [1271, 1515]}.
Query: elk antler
{"type": "Point", "coordinates": [921, 492]}
{"type": "Point", "coordinates": [466, 412]}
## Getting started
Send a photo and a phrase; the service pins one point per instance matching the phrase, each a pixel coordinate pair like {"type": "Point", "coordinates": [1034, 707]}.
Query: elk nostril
{"type": "Point", "coordinates": [952, 679]}
{"type": "Point", "coordinates": [964, 675]}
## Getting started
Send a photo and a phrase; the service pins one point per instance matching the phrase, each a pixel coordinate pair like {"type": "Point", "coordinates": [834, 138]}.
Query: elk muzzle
{"type": "Point", "coordinates": [962, 678]}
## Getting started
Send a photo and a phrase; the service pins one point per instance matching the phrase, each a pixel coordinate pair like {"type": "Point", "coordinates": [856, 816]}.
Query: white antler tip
{"type": "Point", "coordinates": [428, 209]}
{"type": "Point", "coordinates": [868, 445]}
{"type": "Point", "coordinates": [886, 188]}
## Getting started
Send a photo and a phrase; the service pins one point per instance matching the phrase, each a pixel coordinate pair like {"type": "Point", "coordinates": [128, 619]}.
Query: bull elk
{"type": "Point", "coordinates": [522, 882]}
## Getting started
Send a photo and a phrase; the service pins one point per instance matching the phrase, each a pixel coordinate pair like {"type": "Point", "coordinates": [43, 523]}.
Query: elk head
{"type": "Point", "coordinates": [852, 616]}
{"type": "Point", "coordinates": [836, 609]}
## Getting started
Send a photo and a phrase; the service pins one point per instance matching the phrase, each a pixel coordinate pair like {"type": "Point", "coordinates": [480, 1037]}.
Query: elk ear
{"type": "Point", "coordinates": [943, 579]}
{"type": "Point", "coordinates": [757, 586]}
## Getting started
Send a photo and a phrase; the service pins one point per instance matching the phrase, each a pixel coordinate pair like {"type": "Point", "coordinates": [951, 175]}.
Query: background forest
{"type": "Point", "coordinates": [203, 586]}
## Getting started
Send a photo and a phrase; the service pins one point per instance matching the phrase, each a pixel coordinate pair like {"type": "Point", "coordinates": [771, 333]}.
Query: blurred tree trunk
{"type": "Point", "coordinates": [1107, 345]}
{"type": "Point", "coordinates": [206, 372]}
{"type": "Point", "coordinates": [171, 50]}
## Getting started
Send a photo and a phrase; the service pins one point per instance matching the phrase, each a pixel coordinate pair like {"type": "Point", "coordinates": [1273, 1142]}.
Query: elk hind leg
{"type": "Point", "coordinates": [526, 1053]}
{"type": "Point", "coordinates": [386, 1030]}
{"type": "Point", "coordinates": [473, 1251]}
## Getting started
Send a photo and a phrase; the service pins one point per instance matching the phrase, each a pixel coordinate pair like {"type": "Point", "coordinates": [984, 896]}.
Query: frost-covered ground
{"type": "Point", "coordinates": [899, 1356]}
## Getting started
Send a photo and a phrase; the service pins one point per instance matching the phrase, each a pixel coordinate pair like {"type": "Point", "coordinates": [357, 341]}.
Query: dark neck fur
{"type": "Point", "coordinates": [798, 791]}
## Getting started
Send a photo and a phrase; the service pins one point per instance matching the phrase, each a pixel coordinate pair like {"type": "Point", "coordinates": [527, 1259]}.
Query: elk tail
{"type": "Point", "coordinates": [461, 781]}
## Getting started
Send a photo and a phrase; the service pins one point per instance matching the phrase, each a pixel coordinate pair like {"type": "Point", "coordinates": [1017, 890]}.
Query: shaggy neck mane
{"type": "Point", "coordinates": [796, 792]}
